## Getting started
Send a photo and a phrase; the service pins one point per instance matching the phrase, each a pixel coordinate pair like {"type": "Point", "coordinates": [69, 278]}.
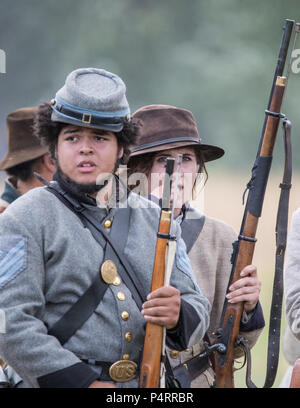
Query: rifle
{"type": "Point", "coordinates": [151, 369]}
{"type": "Point", "coordinates": [243, 248]}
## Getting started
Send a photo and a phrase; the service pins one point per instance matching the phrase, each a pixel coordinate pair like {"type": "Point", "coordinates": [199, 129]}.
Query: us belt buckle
{"type": "Point", "coordinates": [123, 370]}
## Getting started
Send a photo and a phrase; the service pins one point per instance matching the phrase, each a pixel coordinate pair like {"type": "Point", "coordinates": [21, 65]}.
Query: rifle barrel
{"type": "Point", "coordinates": [232, 313]}
{"type": "Point", "coordinates": [281, 60]}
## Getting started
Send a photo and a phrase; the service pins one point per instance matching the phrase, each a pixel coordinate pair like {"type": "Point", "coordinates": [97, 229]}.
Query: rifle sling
{"type": "Point", "coordinates": [80, 311]}
{"type": "Point", "coordinates": [281, 236]}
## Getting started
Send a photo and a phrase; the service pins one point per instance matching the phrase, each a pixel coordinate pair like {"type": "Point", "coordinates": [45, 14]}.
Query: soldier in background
{"type": "Point", "coordinates": [24, 157]}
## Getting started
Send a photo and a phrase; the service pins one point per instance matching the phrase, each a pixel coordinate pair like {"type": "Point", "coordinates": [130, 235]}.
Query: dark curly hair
{"type": "Point", "coordinates": [47, 132]}
{"type": "Point", "coordinates": [24, 171]}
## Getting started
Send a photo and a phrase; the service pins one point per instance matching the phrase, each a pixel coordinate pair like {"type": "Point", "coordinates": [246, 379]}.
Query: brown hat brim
{"type": "Point", "coordinates": [210, 152]}
{"type": "Point", "coordinates": [21, 156]}
{"type": "Point", "coordinates": [23, 146]}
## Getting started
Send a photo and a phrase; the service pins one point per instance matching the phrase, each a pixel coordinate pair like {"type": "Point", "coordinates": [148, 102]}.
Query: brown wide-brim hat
{"type": "Point", "coordinates": [23, 146]}
{"type": "Point", "coordinates": [166, 127]}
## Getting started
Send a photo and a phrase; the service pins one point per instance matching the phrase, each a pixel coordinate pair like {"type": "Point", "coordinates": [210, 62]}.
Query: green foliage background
{"type": "Point", "coordinates": [214, 57]}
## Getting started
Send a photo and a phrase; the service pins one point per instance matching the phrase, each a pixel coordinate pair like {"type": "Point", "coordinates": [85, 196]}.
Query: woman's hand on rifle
{"type": "Point", "coordinates": [246, 289]}
{"type": "Point", "coordinates": [162, 307]}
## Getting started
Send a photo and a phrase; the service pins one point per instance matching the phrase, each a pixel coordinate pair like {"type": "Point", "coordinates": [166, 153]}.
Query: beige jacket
{"type": "Point", "coordinates": [210, 258]}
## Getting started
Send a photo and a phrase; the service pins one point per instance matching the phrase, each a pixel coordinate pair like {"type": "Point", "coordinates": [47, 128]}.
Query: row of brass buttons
{"type": "Point", "coordinates": [125, 316]}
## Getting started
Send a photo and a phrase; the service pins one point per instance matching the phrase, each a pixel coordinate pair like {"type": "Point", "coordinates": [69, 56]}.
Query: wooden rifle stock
{"type": "Point", "coordinates": [232, 313]}
{"type": "Point", "coordinates": [150, 367]}
{"type": "Point", "coordinates": [151, 362]}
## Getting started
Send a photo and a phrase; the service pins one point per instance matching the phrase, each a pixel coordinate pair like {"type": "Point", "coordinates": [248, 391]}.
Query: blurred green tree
{"type": "Point", "coordinates": [213, 57]}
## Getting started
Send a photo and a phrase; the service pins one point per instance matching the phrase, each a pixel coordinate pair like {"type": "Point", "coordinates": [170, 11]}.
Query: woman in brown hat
{"type": "Point", "coordinates": [166, 132]}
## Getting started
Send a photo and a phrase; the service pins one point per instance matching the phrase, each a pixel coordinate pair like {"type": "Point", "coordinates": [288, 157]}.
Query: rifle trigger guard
{"type": "Point", "coordinates": [241, 341]}
{"type": "Point", "coordinates": [219, 347]}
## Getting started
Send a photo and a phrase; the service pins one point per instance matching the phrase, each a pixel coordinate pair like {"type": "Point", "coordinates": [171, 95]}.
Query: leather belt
{"type": "Point", "coordinates": [195, 366]}
{"type": "Point", "coordinates": [127, 370]}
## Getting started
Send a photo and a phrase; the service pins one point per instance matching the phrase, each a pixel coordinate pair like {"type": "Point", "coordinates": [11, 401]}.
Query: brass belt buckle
{"type": "Point", "coordinates": [123, 370]}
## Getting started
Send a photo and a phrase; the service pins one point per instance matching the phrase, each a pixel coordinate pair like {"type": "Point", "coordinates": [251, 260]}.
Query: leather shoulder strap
{"type": "Point", "coordinates": [277, 296]}
{"type": "Point", "coordinates": [190, 230]}
{"type": "Point", "coordinates": [129, 277]}
{"type": "Point", "coordinates": [75, 317]}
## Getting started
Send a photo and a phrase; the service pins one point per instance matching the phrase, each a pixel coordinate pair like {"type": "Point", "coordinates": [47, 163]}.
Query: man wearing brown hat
{"type": "Point", "coordinates": [25, 156]}
{"type": "Point", "coordinates": [166, 132]}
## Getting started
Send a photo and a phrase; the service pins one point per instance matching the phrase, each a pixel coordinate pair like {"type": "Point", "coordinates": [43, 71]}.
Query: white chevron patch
{"type": "Point", "coordinates": [12, 257]}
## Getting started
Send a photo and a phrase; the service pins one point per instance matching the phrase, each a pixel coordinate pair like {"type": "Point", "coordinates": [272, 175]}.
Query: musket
{"type": "Point", "coordinates": [152, 367]}
{"type": "Point", "coordinates": [150, 371]}
{"type": "Point", "coordinates": [243, 251]}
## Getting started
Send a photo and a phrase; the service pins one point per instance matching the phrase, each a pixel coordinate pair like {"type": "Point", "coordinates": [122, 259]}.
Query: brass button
{"type": "Point", "coordinates": [107, 224]}
{"type": "Point", "coordinates": [125, 315]}
{"type": "Point", "coordinates": [117, 281]}
{"type": "Point", "coordinates": [121, 296]}
{"type": "Point", "coordinates": [108, 271]}
{"type": "Point", "coordinates": [126, 356]}
{"type": "Point", "coordinates": [128, 336]}
{"type": "Point", "coordinates": [174, 353]}
{"type": "Point", "coordinates": [52, 102]}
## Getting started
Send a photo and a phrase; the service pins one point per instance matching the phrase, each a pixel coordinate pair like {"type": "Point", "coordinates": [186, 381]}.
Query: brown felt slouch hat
{"type": "Point", "coordinates": [168, 127]}
{"type": "Point", "coordinates": [23, 146]}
